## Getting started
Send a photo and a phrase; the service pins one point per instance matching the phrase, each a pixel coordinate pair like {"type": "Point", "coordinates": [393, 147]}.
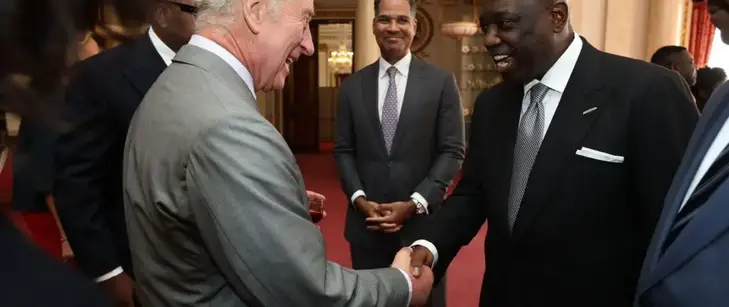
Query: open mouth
{"type": "Point", "coordinates": [503, 62]}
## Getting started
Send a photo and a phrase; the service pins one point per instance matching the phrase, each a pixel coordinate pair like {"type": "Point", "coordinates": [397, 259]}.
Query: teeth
{"type": "Point", "coordinates": [501, 64]}
{"type": "Point", "coordinates": [500, 57]}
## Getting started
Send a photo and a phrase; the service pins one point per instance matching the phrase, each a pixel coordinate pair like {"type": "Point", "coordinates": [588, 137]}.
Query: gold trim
{"type": "Point", "coordinates": [326, 13]}
{"type": "Point", "coordinates": [686, 22]}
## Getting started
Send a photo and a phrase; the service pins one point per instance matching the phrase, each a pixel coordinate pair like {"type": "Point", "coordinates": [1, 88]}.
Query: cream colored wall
{"type": "Point", "coordinates": [632, 28]}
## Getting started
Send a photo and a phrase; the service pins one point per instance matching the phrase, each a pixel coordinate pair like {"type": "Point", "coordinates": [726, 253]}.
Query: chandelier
{"type": "Point", "coordinates": [341, 59]}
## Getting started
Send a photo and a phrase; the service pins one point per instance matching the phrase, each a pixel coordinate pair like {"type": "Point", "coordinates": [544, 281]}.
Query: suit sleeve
{"type": "Point", "coordinates": [344, 145]}
{"type": "Point", "coordinates": [249, 202]}
{"type": "Point", "coordinates": [82, 156]}
{"type": "Point", "coordinates": [450, 142]}
{"type": "Point", "coordinates": [464, 211]}
{"type": "Point", "coordinates": [663, 120]}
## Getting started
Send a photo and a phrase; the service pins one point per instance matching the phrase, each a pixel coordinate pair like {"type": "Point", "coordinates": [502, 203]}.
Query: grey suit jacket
{"type": "Point", "coordinates": [427, 152]}
{"type": "Point", "coordinates": [216, 206]}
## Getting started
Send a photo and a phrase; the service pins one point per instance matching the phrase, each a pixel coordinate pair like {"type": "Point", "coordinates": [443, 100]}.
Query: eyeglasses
{"type": "Point", "coordinates": [186, 8]}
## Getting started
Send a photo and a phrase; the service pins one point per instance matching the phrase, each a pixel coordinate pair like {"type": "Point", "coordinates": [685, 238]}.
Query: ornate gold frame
{"type": "Point", "coordinates": [686, 22]}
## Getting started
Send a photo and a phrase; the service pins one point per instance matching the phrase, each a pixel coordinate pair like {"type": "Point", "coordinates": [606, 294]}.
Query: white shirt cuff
{"type": "Point", "coordinates": [421, 200]}
{"type": "Point", "coordinates": [355, 195]}
{"type": "Point", "coordinates": [430, 247]}
{"type": "Point", "coordinates": [110, 275]}
{"type": "Point", "coordinates": [410, 285]}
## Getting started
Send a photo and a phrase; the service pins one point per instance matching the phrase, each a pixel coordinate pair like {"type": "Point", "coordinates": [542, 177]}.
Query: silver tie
{"type": "Point", "coordinates": [528, 140]}
{"type": "Point", "coordinates": [389, 110]}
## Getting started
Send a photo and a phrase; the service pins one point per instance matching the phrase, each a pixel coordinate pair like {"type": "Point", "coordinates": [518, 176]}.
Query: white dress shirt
{"type": "Point", "coordinates": [167, 54]}
{"type": "Point", "coordinates": [226, 56]}
{"type": "Point", "coordinates": [383, 83]}
{"type": "Point", "coordinates": [556, 80]}
{"type": "Point", "coordinates": [719, 143]}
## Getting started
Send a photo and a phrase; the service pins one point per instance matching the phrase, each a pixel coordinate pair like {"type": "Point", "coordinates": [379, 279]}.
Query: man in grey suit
{"type": "Point", "coordinates": [216, 207]}
{"type": "Point", "coordinates": [400, 140]}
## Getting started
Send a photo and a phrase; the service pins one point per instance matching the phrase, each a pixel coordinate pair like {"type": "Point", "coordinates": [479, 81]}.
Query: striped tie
{"type": "Point", "coordinates": [713, 177]}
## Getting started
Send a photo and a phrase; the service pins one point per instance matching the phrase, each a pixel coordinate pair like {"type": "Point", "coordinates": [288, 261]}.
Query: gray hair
{"type": "Point", "coordinates": [413, 7]}
{"type": "Point", "coordinates": [213, 13]}
{"type": "Point", "coordinates": [219, 13]}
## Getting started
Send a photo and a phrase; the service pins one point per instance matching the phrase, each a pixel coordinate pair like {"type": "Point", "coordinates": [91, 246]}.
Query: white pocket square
{"type": "Point", "coordinates": [599, 155]}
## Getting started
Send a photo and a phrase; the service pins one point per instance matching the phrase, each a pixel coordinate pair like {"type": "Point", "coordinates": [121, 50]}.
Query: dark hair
{"type": "Point", "coordinates": [664, 55]}
{"type": "Point", "coordinates": [39, 40]}
{"type": "Point", "coordinates": [708, 77]}
{"type": "Point", "coordinates": [413, 7]}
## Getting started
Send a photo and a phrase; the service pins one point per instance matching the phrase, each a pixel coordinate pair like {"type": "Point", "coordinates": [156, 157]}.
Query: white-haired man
{"type": "Point", "coordinates": [217, 211]}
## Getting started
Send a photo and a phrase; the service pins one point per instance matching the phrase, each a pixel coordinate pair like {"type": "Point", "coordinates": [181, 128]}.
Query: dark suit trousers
{"type": "Point", "coordinates": [366, 258]}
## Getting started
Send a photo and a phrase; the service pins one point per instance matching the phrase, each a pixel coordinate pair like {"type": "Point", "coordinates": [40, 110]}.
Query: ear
{"type": "Point", "coordinates": [560, 16]}
{"type": "Point", "coordinates": [160, 15]}
{"type": "Point", "coordinates": [253, 11]}
{"type": "Point", "coordinates": [415, 25]}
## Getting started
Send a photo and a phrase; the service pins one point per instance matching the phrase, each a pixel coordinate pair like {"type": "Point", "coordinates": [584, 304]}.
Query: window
{"type": "Point", "coordinates": [719, 56]}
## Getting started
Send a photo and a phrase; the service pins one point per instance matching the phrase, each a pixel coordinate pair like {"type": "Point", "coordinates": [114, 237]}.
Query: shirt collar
{"type": "Point", "coordinates": [228, 57]}
{"type": "Point", "coordinates": [559, 74]}
{"type": "Point", "coordinates": [162, 49]}
{"type": "Point", "coordinates": [403, 66]}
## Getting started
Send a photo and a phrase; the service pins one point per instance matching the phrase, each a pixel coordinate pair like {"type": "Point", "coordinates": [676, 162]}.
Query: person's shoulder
{"type": "Point", "coordinates": [623, 69]}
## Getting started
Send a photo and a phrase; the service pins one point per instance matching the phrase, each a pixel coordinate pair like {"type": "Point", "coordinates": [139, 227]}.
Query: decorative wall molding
{"type": "Point", "coordinates": [338, 13]}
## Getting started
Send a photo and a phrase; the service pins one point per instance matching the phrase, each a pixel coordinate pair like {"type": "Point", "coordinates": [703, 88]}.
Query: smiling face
{"type": "Point", "coordinates": [520, 35]}
{"type": "Point", "coordinates": [284, 38]}
{"type": "Point", "coordinates": [394, 29]}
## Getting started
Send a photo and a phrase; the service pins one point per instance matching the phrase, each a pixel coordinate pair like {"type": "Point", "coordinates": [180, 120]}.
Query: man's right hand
{"type": "Point", "coordinates": [121, 289]}
{"type": "Point", "coordinates": [420, 260]}
{"type": "Point", "coordinates": [422, 285]}
{"type": "Point", "coordinates": [370, 209]}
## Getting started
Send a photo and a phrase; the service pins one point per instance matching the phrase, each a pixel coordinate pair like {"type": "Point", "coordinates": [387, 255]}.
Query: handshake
{"type": "Point", "coordinates": [416, 262]}
{"type": "Point", "coordinates": [387, 218]}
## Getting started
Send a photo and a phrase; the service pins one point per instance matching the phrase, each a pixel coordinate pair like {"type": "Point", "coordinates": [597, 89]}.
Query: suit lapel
{"type": "Point", "coordinates": [709, 222]}
{"type": "Point", "coordinates": [409, 102]}
{"type": "Point", "coordinates": [564, 135]}
{"type": "Point", "coordinates": [144, 66]}
{"type": "Point", "coordinates": [369, 98]}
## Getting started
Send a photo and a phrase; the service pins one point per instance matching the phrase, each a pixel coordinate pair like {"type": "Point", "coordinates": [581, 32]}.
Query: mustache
{"type": "Point", "coordinates": [394, 36]}
{"type": "Point", "coordinates": [499, 50]}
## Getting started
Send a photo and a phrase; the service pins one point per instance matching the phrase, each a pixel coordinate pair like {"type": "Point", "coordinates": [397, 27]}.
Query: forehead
{"type": "Point", "coordinates": [394, 7]}
{"type": "Point", "coordinates": [508, 6]}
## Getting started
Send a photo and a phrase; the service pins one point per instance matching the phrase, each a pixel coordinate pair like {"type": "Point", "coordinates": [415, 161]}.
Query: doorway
{"type": "Point", "coordinates": [310, 94]}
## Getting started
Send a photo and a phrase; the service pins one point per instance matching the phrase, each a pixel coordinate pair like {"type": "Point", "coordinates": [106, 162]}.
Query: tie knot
{"type": "Point", "coordinates": [391, 71]}
{"type": "Point", "coordinates": [538, 91]}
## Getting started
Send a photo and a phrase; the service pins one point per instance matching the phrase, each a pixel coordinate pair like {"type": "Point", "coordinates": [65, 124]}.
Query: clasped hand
{"type": "Point", "coordinates": [387, 218]}
{"type": "Point", "coordinates": [422, 282]}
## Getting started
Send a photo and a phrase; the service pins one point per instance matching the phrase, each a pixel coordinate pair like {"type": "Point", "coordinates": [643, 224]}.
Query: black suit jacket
{"type": "Point", "coordinates": [30, 278]}
{"type": "Point", "coordinates": [101, 100]}
{"type": "Point", "coordinates": [428, 146]}
{"type": "Point", "coordinates": [33, 165]}
{"type": "Point", "coordinates": [584, 225]}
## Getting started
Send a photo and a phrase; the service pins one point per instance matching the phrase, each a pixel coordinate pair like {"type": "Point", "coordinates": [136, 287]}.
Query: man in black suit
{"type": "Point", "coordinates": [400, 139]}
{"type": "Point", "coordinates": [569, 160]}
{"type": "Point", "coordinates": [101, 100]}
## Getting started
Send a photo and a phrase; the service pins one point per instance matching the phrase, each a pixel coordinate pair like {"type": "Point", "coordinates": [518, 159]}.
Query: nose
{"type": "Point", "coordinates": [392, 26]}
{"type": "Point", "coordinates": [307, 44]}
{"type": "Point", "coordinates": [490, 36]}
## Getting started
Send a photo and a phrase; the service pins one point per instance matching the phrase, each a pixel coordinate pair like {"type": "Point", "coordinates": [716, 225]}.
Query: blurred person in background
{"type": "Point", "coordinates": [38, 39]}
{"type": "Point", "coordinates": [707, 80]}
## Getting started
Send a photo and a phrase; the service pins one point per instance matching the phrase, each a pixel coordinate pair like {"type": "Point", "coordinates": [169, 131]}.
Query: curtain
{"type": "Point", "coordinates": [701, 34]}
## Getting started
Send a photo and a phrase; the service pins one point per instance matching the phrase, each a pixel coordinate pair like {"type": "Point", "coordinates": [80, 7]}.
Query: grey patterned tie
{"type": "Point", "coordinates": [389, 110]}
{"type": "Point", "coordinates": [528, 140]}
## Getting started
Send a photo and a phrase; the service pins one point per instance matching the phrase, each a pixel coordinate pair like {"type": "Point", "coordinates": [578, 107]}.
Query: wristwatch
{"type": "Point", "coordinates": [419, 207]}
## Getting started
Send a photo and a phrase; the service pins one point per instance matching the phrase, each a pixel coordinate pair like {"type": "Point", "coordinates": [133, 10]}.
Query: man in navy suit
{"type": "Point", "coordinates": [687, 263]}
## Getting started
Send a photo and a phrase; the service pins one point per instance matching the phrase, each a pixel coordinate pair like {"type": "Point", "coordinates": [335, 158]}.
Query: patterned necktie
{"type": "Point", "coordinates": [528, 140]}
{"type": "Point", "coordinates": [389, 110]}
{"type": "Point", "coordinates": [714, 176]}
